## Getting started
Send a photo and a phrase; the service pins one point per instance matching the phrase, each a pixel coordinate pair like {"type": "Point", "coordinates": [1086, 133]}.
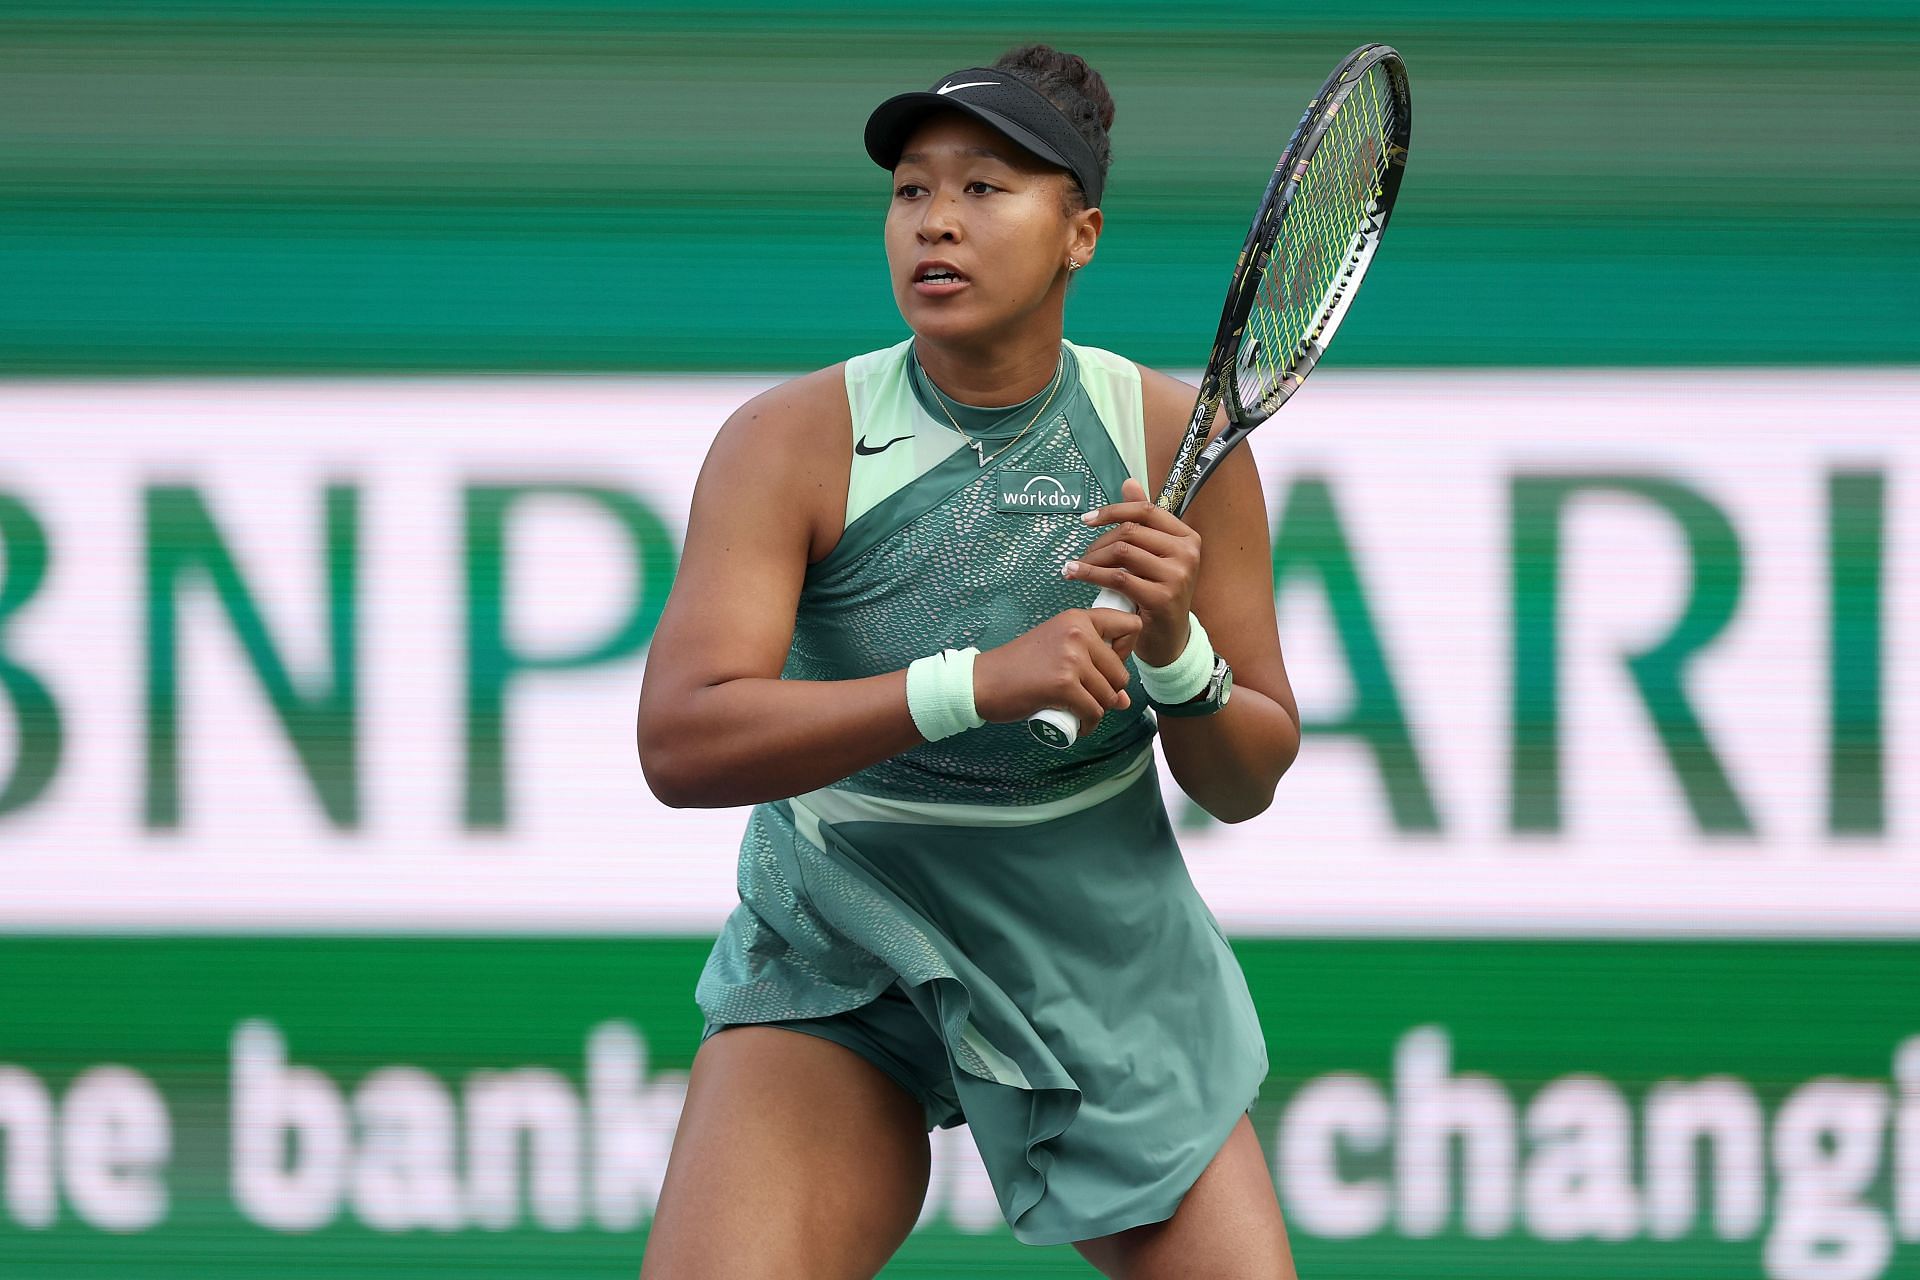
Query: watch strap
{"type": "Point", "coordinates": [1210, 699]}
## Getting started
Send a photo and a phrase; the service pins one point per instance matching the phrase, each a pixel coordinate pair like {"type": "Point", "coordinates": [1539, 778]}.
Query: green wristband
{"type": "Point", "coordinates": [940, 693]}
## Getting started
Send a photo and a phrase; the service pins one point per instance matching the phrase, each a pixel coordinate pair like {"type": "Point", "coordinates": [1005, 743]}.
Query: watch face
{"type": "Point", "coordinates": [1226, 685]}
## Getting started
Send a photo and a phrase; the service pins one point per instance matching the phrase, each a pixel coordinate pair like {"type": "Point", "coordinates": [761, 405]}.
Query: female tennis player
{"type": "Point", "coordinates": [888, 569]}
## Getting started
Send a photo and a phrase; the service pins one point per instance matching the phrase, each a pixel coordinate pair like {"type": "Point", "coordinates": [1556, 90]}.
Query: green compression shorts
{"type": "Point", "coordinates": [894, 1036]}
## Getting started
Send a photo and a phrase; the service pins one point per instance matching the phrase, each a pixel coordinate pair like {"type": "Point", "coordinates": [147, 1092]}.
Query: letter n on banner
{"type": "Point", "coordinates": [184, 546]}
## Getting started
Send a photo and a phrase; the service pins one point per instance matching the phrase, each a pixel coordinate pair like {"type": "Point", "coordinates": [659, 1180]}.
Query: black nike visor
{"type": "Point", "coordinates": [997, 98]}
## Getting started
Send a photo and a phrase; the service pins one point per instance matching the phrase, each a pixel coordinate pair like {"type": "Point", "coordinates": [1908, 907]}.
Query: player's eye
{"type": "Point", "coordinates": [906, 189]}
{"type": "Point", "coordinates": [987, 186]}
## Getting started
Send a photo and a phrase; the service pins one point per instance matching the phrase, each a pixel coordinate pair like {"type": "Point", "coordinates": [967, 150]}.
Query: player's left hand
{"type": "Point", "coordinates": [1152, 558]}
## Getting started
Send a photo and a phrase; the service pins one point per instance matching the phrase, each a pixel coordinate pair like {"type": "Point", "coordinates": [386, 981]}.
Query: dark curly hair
{"type": "Point", "coordinates": [1076, 89]}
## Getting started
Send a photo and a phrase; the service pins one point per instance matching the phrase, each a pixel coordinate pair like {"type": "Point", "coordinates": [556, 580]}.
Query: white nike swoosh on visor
{"type": "Point", "coordinates": [971, 84]}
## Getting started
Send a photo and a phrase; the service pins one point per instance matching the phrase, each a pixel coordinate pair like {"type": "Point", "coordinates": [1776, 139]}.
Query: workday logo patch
{"type": "Point", "coordinates": [1040, 493]}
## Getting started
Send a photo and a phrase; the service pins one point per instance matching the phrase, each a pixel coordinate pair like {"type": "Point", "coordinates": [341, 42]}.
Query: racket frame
{"type": "Point", "coordinates": [1196, 456]}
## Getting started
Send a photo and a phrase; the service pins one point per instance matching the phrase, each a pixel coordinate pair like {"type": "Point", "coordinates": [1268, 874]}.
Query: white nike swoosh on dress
{"type": "Point", "coordinates": [971, 84]}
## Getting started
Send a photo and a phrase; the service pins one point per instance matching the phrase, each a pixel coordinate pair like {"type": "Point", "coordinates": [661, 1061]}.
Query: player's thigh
{"type": "Point", "coordinates": [1228, 1226]}
{"type": "Point", "coordinates": [794, 1157]}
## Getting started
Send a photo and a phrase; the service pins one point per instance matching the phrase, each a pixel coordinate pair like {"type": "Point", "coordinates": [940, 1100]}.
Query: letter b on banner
{"type": "Point", "coordinates": [36, 755]}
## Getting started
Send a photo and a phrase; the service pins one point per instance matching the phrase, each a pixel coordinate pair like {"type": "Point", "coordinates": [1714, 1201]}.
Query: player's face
{"type": "Point", "coordinates": [967, 195]}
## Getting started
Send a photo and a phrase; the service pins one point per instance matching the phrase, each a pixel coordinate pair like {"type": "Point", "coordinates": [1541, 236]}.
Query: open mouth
{"type": "Point", "coordinates": [933, 278]}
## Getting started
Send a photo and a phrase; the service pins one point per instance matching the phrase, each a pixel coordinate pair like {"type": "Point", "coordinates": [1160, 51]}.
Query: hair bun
{"type": "Point", "coordinates": [1072, 86]}
{"type": "Point", "coordinates": [1070, 70]}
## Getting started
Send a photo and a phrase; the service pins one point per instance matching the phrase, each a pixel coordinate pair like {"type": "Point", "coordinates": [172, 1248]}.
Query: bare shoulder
{"type": "Point", "coordinates": [796, 438]}
{"type": "Point", "coordinates": [797, 416]}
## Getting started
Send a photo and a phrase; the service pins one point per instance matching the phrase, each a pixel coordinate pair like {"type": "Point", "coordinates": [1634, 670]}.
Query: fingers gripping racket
{"type": "Point", "coordinates": [1313, 236]}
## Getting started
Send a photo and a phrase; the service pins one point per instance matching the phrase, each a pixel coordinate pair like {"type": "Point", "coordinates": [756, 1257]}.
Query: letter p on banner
{"type": "Point", "coordinates": [492, 661]}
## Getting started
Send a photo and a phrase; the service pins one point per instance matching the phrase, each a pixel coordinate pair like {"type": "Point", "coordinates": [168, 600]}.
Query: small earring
{"type": "Point", "coordinates": [1072, 265]}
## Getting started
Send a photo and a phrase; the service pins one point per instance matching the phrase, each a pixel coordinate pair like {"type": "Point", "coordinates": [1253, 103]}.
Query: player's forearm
{"type": "Point", "coordinates": [1231, 761]}
{"type": "Point", "coordinates": [753, 739]}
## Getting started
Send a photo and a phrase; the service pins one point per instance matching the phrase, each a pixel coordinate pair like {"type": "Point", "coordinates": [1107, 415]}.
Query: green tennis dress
{"type": "Point", "coordinates": [1031, 904]}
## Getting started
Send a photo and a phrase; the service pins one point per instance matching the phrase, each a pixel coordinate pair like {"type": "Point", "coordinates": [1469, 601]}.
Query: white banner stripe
{"type": "Point", "coordinates": [1419, 468]}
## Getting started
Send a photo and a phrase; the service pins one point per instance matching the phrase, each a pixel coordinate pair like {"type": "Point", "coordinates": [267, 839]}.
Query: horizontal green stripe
{"type": "Point", "coordinates": [344, 187]}
{"type": "Point", "coordinates": [833, 805]}
{"type": "Point", "coordinates": [1776, 1017]}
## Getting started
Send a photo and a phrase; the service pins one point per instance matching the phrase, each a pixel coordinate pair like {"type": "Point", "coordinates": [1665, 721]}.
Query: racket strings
{"type": "Point", "coordinates": [1331, 210]}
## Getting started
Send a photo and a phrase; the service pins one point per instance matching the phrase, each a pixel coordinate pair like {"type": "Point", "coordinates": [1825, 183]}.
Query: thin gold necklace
{"type": "Point", "coordinates": [979, 450]}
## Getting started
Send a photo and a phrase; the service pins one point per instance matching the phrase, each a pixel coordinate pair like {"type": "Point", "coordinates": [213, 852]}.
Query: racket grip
{"type": "Point", "coordinates": [1060, 728]}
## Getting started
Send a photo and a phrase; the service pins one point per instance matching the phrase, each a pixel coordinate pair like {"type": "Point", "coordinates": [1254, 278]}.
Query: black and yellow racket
{"type": "Point", "coordinates": [1313, 237]}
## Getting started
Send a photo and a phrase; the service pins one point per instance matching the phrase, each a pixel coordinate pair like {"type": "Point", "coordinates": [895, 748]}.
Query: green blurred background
{"type": "Point", "coordinates": [333, 187]}
{"type": "Point", "coordinates": [410, 187]}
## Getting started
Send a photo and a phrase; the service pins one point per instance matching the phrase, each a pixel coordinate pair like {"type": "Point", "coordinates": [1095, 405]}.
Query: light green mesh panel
{"type": "Point", "coordinates": [804, 969]}
{"type": "Point", "coordinates": [1113, 384]}
{"type": "Point", "coordinates": [962, 574]}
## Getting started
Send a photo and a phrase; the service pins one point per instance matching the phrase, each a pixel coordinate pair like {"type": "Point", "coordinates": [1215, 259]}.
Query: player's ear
{"type": "Point", "coordinates": [1083, 234]}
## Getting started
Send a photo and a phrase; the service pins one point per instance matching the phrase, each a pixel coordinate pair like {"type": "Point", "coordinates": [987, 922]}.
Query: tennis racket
{"type": "Point", "coordinates": [1313, 237]}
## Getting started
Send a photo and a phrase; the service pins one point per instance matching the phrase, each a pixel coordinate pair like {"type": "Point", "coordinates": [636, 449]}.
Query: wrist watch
{"type": "Point", "coordinates": [1209, 700]}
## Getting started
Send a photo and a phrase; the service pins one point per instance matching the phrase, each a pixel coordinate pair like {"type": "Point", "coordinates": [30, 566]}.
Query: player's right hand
{"type": "Point", "coordinates": [1075, 661]}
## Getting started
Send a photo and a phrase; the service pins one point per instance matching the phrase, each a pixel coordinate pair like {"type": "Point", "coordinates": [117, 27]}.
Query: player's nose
{"type": "Point", "coordinates": [940, 220]}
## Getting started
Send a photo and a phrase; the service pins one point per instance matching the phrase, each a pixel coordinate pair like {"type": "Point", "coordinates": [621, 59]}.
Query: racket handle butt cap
{"type": "Point", "coordinates": [1061, 729]}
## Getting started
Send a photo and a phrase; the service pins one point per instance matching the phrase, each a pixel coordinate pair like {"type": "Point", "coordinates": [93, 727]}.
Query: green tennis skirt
{"type": "Point", "coordinates": [1059, 986]}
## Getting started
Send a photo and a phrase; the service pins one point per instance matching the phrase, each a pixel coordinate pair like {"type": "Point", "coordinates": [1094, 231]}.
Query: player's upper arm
{"type": "Point", "coordinates": [768, 495]}
{"type": "Point", "coordinates": [1234, 593]}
